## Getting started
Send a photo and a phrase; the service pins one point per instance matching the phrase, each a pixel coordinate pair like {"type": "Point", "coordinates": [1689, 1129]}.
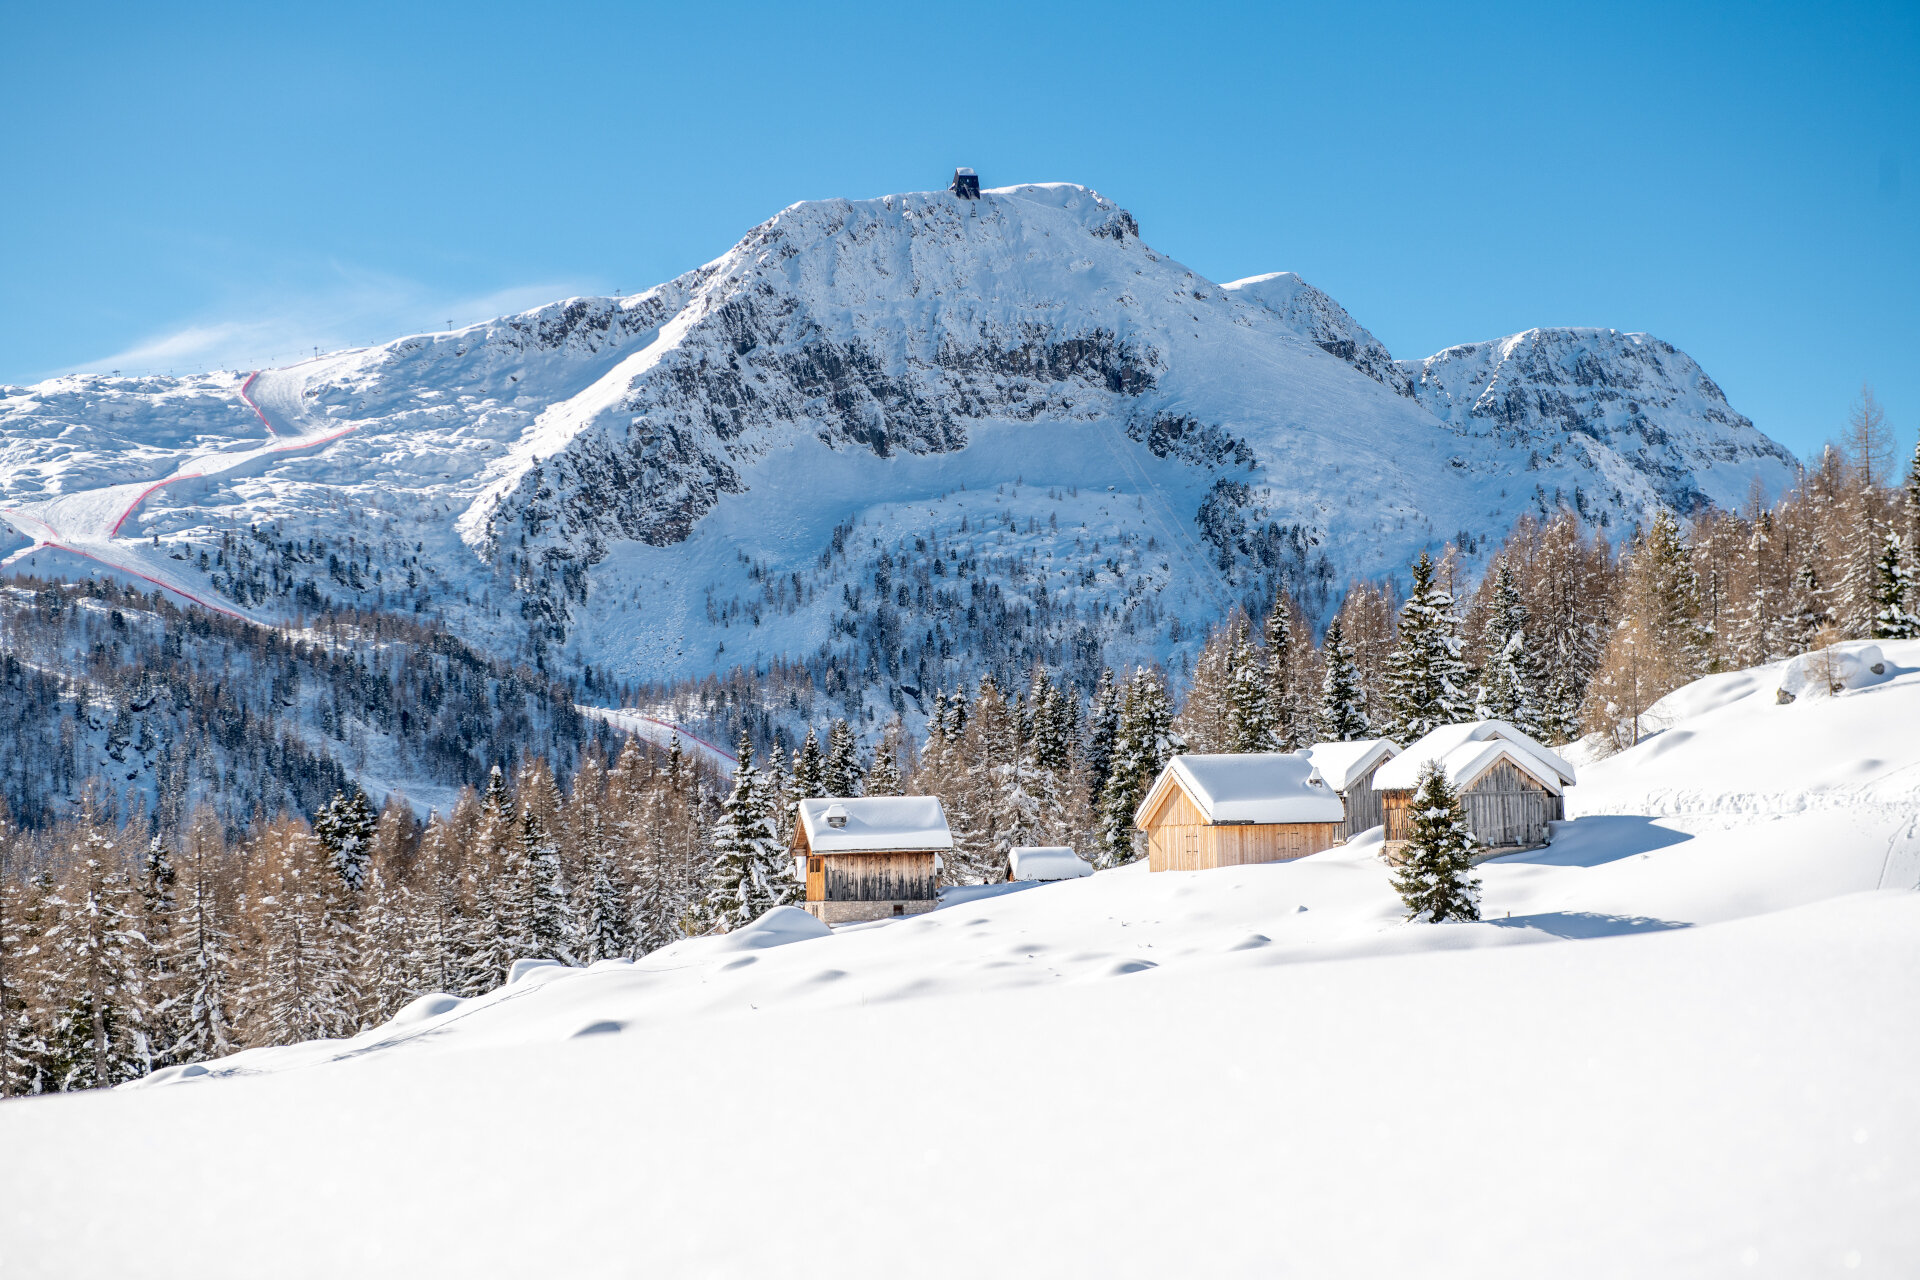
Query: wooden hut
{"type": "Point", "coordinates": [1230, 810]}
{"type": "Point", "coordinates": [1349, 768]}
{"type": "Point", "coordinates": [870, 858]}
{"type": "Point", "coordinates": [1511, 785]}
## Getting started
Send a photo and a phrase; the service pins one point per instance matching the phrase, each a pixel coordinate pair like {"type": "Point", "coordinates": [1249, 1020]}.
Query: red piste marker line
{"type": "Point", "coordinates": [164, 586]}
{"type": "Point", "coordinates": [256, 408]}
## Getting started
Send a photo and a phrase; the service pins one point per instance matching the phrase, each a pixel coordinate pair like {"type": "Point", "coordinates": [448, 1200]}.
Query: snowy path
{"type": "Point", "coordinates": [87, 524]}
{"type": "Point", "coordinates": [661, 733]}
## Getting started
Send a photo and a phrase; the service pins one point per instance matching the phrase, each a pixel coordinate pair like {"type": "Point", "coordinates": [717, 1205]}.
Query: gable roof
{"type": "Point", "coordinates": [1468, 750]}
{"type": "Point", "coordinates": [1258, 787]}
{"type": "Point", "coordinates": [876, 824]}
{"type": "Point", "coordinates": [1342, 764]}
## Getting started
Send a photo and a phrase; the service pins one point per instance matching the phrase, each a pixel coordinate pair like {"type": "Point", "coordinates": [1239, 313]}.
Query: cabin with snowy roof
{"type": "Point", "coordinates": [871, 857]}
{"type": "Point", "coordinates": [1511, 785]}
{"type": "Point", "coordinates": [966, 184]}
{"type": "Point", "coordinates": [1206, 811]}
{"type": "Point", "coordinates": [1349, 768]}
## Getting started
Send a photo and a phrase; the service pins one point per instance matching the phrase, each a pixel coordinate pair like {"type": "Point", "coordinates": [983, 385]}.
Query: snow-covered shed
{"type": "Point", "coordinates": [871, 857]}
{"type": "Point", "coordinates": [1511, 784]}
{"type": "Point", "coordinates": [1349, 768]}
{"type": "Point", "coordinates": [1229, 810]}
{"type": "Point", "coordinates": [1046, 862]}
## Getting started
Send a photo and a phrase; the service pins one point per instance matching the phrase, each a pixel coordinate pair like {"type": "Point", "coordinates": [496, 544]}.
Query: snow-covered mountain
{"type": "Point", "coordinates": [915, 435]}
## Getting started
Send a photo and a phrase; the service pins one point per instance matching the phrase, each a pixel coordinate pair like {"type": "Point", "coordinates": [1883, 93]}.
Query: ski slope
{"type": "Point", "coordinates": [1679, 1043]}
{"type": "Point", "coordinates": [89, 525]}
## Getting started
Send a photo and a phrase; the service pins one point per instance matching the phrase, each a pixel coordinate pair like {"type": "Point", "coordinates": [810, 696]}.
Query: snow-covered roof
{"type": "Point", "coordinates": [1259, 787]}
{"type": "Point", "coordinates": [965, 173]}
{"type": "Point", "coordinates": [1468, 750]}
{"type": "Point", "coordinates": [1341, 764]}
{"type": "Point", "coordinates": [1048, 862]}
{"type": "Point", "coordinates": [877, 824]}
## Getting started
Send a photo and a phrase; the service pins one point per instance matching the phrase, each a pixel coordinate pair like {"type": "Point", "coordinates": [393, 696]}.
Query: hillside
{"type": "Point", "coordinates": [913, 436]}
{"type": "Point", "coordinates": [1683, 1028]}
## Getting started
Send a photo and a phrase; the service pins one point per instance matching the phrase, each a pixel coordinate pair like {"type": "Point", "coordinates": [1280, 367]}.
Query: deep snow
{"type": "Point", "coordinates": [1681, 1042]}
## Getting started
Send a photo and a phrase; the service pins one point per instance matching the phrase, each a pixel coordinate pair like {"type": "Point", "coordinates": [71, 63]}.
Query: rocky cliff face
{"type": "Point", "coordinates": [916, 433]}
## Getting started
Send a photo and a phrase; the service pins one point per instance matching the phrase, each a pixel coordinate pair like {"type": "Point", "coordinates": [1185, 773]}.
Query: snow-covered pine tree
{"type": "Point", "coordinates": [605, 923]}
{"type": "Point", "coordinates": [840, 771]}
{"type": "Point", "coordinates": [537, 908]}
{"type": "Point", "coordinates": [1509, 680]}
{"type": "Point", "coordinates": [750, 874]}
{"type": "Point", "coordinates": [809, 770]}
{"type": "Point", "coordinates": [1342, 715]}
{"type": "Point", "coordinates": [21, 1053]}
{"type": "Point", "coordinates": [1426, 680]}
{"type": "Point", "coordinates": [1911, 492]}
{"type": "Point", "coordinates": [1285, 708]}
{"type": "Point", "coordinates": [1893, 617]}
{"type": "Point", "coordinates": [161, 989]}
{"type": "Point", "coordinates": [883, 775]}
{"type": "Point", "coordinates": [1434, 878]}
{"type": "Point", "coordinates": [780, 782]}
{"type": "Point", "coordinates": [1251, 722]}
{"type": "Point", "coordinates": [344, 828]}
{"type": "Point", "coordinates": [1103, 726]}
{"type": "Point", "coordinates": [1141, 748]}
{"type": "Point", "coordinates": [1203, 715]}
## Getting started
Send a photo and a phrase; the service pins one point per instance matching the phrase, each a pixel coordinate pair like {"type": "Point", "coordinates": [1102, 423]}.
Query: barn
{"type": "Point", "coordinates": [872, 857]}
{"type": "Point", "coordinates": [1511, 785]}
{"type": "Point", "coordinates": [1349, 768]}
{"type": "Point", "coordinates": [1207, 811]}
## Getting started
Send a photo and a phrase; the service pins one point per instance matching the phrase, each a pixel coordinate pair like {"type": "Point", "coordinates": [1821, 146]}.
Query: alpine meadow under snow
{"type": "Point", "coordinates": [428, 773]}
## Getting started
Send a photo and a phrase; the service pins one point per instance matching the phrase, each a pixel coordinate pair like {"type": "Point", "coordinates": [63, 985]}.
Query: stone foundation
{"type": "Point", "coordinates": [854, 912]}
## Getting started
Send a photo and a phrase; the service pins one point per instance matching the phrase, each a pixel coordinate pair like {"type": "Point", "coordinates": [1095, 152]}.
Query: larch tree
{"type": "Point", "coordinates": [1434, 878]}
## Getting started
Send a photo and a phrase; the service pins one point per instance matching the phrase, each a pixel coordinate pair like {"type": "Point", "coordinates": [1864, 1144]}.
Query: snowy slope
{"type": "Point", "coordinates": [1687, 1036]}
{"type": "Point", "coordinates": [708, 472]}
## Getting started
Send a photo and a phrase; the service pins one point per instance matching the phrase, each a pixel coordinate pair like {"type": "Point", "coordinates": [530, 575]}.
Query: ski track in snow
{"type": "Point", "coordinates": [87, 523]}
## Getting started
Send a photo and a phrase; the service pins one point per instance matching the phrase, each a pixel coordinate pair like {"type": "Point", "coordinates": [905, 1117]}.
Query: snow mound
{"type": "Point", "coordinates": [1825, 673]}
{"type": "Point", "coordinates": [1048, 862]}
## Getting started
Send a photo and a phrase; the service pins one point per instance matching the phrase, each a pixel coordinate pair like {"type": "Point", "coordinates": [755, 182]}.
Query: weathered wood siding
{"type": "Point", "coordinates": [1363, 805]}
{"type": "Point", "coordinates": [874, 877]}
{"type": "Point", "coordinates": [1504, 808]}
{"type": "Point", "coordinates": [1179, 838]}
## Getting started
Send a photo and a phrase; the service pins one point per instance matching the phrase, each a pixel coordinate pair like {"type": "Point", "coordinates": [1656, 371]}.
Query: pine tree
{"type": "Point", "coordinates": [161, 990]}
{"type": "Point", "coordinates": [809, 770]}
{"type": "Point", "coordinates": [1103, 727]}
{"type": "Point", "coordinates": [750, 874]}
{"type": "Point", "coordinates": [1251, 721]}
{"type": "Point", "coordinates": [606, 933]}
{"type": "Point", "coordinates": [1508, 688]}
{"type": "Point", "coordinates": [1284, 707]}
{"type": "Point", "coordinates": [840, 771]}
{"type": "Point", "coordinates": [1425, 677]}
{"type": "Point", "coordinates": [1434, 879]}
{"type": "Point", "coordinates": [1912, 498]}
{"type": "Point", "coordinates": [344, 828]}
{"type": "Point", "coordinates": [204, 951]}
{"type": "Point", "coordinates": [1141, 748]}
{"type": "Point", "coordinates": [1342, 715]}
{"type": "Point", "coordinates": [1893, 617]}
{"type": "Point", "coordinates": [538, 911]}
{"type": "Point", "coordinates": [883, 776]}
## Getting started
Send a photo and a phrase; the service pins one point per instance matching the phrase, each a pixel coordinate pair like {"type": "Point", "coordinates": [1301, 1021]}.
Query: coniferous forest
{"type": "Point", "coordinates": [188, 868]}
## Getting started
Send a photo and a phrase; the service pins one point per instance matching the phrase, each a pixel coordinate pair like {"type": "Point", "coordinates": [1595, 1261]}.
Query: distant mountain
{"type": "Point", "coordinates": [903, 440]}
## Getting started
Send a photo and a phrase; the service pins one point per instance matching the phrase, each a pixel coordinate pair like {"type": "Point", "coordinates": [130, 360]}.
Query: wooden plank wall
{"type": "Point", "coordinates": [1177, 835]}
{"type": "Point", "coordinates": [1179, 838]}
{"type": "Point", "coordinates": [1505, 807]}
{"type": "Point", "coordinates": [1363, 805]}
{"type": "Point", "coordinates": [875, 877]}
{"type": "Point", "coordinates": [1280, 842]}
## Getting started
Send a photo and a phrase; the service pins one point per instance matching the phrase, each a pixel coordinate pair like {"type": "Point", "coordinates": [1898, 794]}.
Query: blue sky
{"type": "Point", "coordinates": [231, 186]}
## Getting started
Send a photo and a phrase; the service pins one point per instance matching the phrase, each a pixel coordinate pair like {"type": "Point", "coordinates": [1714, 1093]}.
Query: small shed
{"type": "Point", "coordinates": [1511, 785]}
{"type": "Point", "coordinates": [1349, 768]}
{"type": "Point", "coordinates": [966, 184]}
{"type": "Point", "coordinates": [871, 857]}
{"type": "Point", "coordinates": [1046, 862]}
{"type": "Point", "coordinates": [1231, 810]}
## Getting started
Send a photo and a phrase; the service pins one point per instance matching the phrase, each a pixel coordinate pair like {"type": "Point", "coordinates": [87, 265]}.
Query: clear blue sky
{"type": "Point", "coordinates": [226, 186]}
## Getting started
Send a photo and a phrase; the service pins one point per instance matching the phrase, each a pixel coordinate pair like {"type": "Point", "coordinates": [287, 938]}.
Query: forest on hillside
{"type": "Point", "coordinates": [134, 937]}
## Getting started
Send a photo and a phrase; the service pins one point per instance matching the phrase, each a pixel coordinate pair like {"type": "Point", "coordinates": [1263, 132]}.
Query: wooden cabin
{"type": "Point", "coordinates": [871, 857]}
{"type": "Point", "coordinates": [966, 184]}
{"type": "Point", "coordinates": [1231, 810]}
{"type": "Point", "coordinates": [1511, 785]}
{"type": "Point", "coordinates": [1349, 768]}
